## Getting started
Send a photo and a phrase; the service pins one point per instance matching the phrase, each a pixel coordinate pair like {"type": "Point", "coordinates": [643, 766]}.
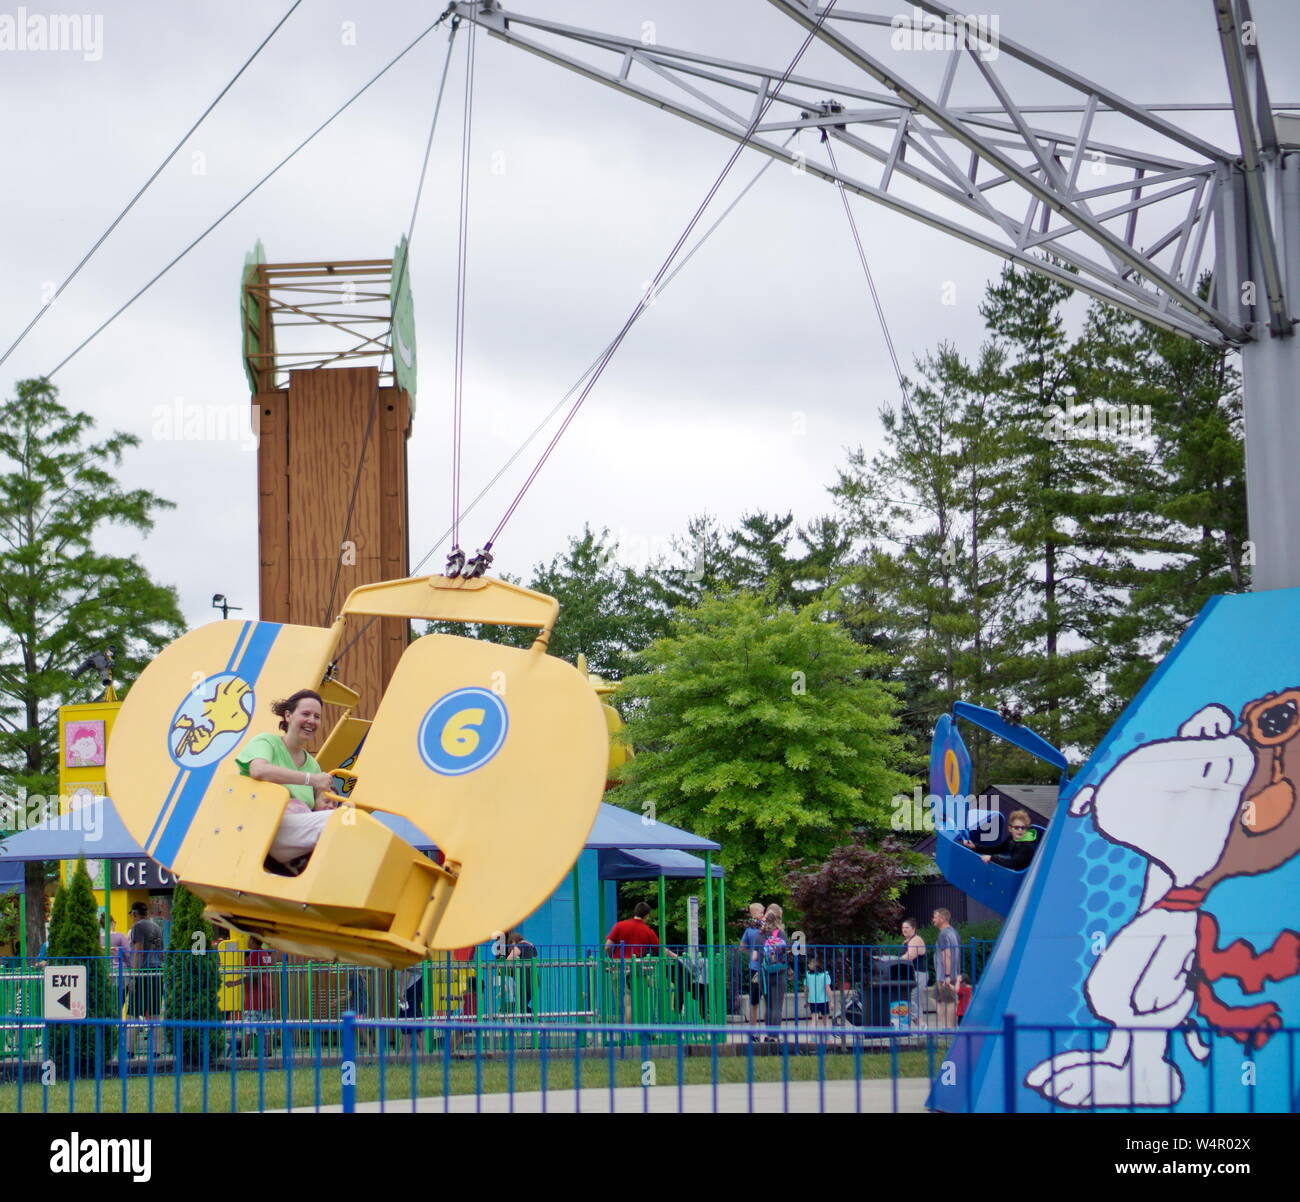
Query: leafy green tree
{"type": "Point", "coordinates": [62, 597]}
{"type": "Point", "coordinates": [761, 729]}
{"type": "Point", "coordinates": [191, 982]}
{"type": "Point", "coordinates": [75, 938]}
{"type": "Point", "coordinates": [9, 920]}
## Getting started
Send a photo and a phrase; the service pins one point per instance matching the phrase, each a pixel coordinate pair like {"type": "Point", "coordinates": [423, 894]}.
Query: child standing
{"type": "Point", "coordinates": [818, 983]}
{"type": "Point", "coordinates": [963, 996]}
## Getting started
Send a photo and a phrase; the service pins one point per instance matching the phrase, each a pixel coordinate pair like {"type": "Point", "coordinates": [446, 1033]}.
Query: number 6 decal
{"type": "Point", "coordinates": [462, 731]}
{"type": "Point", "coordinates": [459, 737]}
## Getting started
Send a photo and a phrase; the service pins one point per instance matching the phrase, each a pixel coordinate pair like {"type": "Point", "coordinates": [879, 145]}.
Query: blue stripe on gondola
{"type": "Point", "coordinates": [248, 664]}
{"type": "Point", "coordinates": [258, 647]}
{"type": "Point", "coordinates": [166, 809]}
{"type": "Point", "coordinates": [239, 646]}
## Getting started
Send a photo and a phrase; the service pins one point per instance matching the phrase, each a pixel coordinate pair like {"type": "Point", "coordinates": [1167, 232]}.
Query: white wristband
{"type": "Point", "coordinates": [306, 778]}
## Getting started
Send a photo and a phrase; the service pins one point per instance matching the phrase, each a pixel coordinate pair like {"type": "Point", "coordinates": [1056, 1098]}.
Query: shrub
{"type": "Point", "coordinates": [853, 892]}
{"type": "Point", "coordinates": [191, 982]}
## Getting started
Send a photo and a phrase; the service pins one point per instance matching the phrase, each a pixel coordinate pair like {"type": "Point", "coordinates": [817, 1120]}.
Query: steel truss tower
{"type": "Point", "coordinates": [1133, 218]}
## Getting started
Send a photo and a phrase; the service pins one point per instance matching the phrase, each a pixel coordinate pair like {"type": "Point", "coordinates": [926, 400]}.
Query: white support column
{"type": "Point", "coordinates": [1271, 390]}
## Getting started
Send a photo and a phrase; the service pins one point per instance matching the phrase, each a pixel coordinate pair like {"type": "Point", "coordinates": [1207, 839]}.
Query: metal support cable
{"type": "Point", "coordinates": [523, 446]}
{"type": "Point", "coordinates": [909, 414]}
{"type": "Point", "coordinates": [462, 255]}
{"type": "Point", "coordinates": [650, 293]}
{"type": "Point", "coordinates": [871, 283]}
{"type": "Point", "coordinates": [397, 287]}
{"type": "Point", "coordinates": [145, 186]}
{"type": "Point", "coordinates": [293, 153]}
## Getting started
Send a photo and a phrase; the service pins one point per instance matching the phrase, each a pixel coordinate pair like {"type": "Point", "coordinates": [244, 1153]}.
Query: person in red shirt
{"type": "Point", "coordinates": [633, 936]}
{"type": "Point", "coordinates": [630, 940]}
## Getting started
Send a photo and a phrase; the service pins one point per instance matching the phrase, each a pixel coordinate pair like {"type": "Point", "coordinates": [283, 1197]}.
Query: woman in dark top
{"type": "Point", "coordinates": [1017, 849]}
{"type": "Point", "coordinates": [914, 949]}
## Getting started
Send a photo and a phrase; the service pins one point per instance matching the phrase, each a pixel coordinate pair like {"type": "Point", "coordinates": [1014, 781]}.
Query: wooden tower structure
{"type": "Point", "coordinates": [331, 458]}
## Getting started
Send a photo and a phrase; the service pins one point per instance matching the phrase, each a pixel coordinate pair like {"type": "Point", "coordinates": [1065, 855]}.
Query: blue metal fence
{"type": "Point", "coordinates": [266, 1023]}
{"type": "Point", "coordinates": [359, 1064]}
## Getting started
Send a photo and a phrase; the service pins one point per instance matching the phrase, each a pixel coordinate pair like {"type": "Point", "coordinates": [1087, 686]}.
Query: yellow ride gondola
{"type": "Point", "coordinates": [498, 754]}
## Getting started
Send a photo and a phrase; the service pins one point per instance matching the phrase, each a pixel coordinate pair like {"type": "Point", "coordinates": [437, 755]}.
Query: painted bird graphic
{"type": "Point", "coordinates": [223, 713]}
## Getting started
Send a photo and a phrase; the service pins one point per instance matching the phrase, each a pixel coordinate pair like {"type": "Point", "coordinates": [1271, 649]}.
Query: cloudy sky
{"type": "Point", "coordinates": [739, 390]}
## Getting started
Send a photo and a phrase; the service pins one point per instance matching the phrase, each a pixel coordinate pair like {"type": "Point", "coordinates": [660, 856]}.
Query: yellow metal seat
{"type": "Point", "coordinates": [497, 753]}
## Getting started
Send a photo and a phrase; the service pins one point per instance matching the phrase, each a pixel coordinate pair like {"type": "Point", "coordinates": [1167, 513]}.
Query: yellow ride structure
{"type": "Point", "coordinates": [498, 754]}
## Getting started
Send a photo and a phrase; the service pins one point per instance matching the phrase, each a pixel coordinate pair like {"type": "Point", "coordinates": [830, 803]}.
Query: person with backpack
{"type": "Point", "coordinates": [771, 960]}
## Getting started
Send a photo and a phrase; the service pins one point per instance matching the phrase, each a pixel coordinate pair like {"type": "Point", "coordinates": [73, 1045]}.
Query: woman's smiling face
{"type": "Point", "coordinates": [305, 720]}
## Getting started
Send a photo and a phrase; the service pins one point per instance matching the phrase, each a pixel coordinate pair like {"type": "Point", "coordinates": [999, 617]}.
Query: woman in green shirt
{"type": "Point", "coordinates": [283, 759]}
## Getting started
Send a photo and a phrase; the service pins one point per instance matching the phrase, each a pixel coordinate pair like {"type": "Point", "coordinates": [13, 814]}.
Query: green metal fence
{"type": "Point", "coordinates": [290, 1009]}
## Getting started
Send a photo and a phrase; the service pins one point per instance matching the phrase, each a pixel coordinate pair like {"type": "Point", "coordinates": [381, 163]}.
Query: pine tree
{"type": "Point", "coordinates": [61, 596]}
{"type": "Point", "coordinates": [1193, 495]}
{"type": "Point", "coordinates": [191, 981]}
{"type": "Point", "coordinates": [935, 577]}
{"type": "Point", "coordinates": [826, 561]}
{"type": "Point", "coordinates": [1061, 501]}
{"type": "Point", "coordinates": [760, 559]}
{"type": "Point", "coordinates": [701, 565]}
{"type": "Point", "coordinates": [606, 611]}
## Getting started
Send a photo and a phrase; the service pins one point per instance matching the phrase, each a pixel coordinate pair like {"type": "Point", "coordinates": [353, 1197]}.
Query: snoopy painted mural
{"type": "Point", "coordinates": [1216, 802]}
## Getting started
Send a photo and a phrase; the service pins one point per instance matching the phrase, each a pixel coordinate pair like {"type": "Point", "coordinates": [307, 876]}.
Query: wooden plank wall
{"type": "Point", "coordinates": [312, 436]}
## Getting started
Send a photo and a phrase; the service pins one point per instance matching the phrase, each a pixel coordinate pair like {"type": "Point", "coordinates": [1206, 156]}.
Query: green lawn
{"type": "Point", "coordinates": [240, 1090]}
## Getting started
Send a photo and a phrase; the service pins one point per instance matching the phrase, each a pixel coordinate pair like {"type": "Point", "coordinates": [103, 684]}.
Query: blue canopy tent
{"type": "Point", "coordinates": [651, 849]}
{"type": "Point", "coordinates": [643, 865]}
{"type": "Point", "coordinates": [647, 864]}
{"type": "Point", "coordinates": [647, 846]}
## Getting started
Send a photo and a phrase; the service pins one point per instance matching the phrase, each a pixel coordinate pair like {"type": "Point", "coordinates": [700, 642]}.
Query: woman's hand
{"type": "Point", "coordinates": [320, 781]}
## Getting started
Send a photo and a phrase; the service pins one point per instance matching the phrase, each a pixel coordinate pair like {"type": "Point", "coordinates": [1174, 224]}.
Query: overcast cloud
{"type": "Point", "coordinates": [700, 410]}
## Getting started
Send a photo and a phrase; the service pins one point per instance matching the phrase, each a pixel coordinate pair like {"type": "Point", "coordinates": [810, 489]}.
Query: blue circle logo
{"type": "Point", "coordinates": [462, 731]}
{"type": "Point", "coordinates": [210, 721]}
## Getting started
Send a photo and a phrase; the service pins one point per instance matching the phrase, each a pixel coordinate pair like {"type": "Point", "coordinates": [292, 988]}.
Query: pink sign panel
{"type": "Point", "coordinates": [83, 744]}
